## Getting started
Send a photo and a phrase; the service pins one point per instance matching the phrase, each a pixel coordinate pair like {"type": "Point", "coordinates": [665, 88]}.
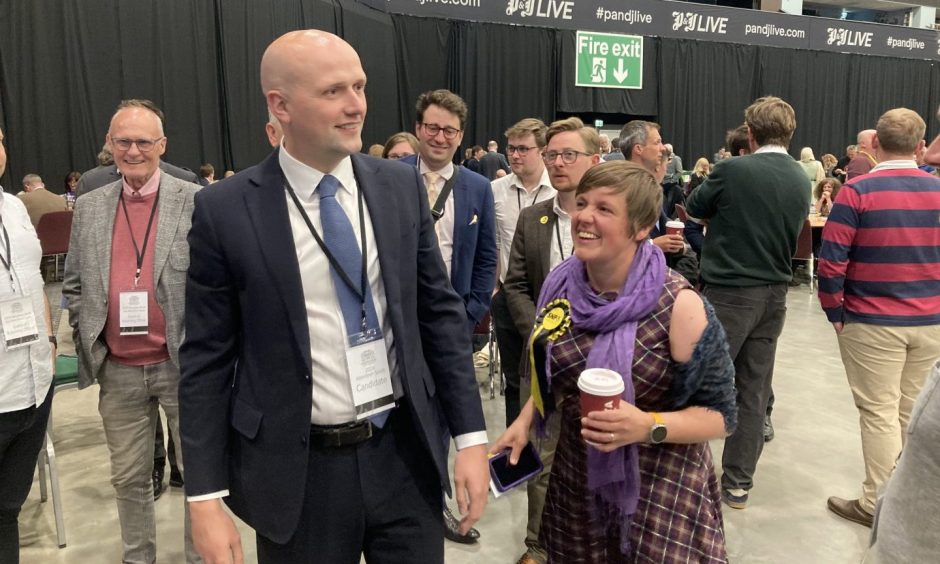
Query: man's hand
{"type": "Point", "coordinates": [669, 243]}
{"type": "Point", "coordinates": [471, 482]}
{"type": "Point", "coordinates": [838, 327]}
{"type": "Point", "coordinates": [214, 533]}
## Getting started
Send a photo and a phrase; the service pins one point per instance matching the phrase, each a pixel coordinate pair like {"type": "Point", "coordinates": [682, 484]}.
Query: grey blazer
{"type": "Point", "coordinates": [530, 261]}
{"type": "Point", "coordinates": [101, 176]}
{"type": "Point", "coordinates": [88, 268]}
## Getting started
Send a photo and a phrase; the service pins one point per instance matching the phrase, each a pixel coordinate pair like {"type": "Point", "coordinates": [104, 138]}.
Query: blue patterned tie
{"type": "Point", "coordinates": [339, 237]}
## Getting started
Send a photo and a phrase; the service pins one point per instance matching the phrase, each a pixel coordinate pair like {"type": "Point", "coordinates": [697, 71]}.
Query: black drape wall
{"type": "Point", "coordinates": [64, 65]}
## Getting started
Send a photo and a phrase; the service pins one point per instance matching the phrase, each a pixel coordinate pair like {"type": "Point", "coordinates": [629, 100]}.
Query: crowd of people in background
{"type": "Point", "coordinates": [329, 309]}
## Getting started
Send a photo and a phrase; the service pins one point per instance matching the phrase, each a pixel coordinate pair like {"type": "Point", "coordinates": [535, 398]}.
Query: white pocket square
{"type": "Point", "coordinates": [474, 220]}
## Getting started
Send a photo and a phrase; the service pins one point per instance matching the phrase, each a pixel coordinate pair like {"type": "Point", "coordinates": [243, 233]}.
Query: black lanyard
{"type": "Point", "coordinates": [364, 284]}
{"type": "Point", "coordinates": [139, 252]}
{"type": "Point", "coordinates": [561, 251]}
{"type": "Point", "coordinates": [535, 199]}
{"type": "Point", "coordinates": [8, 260]}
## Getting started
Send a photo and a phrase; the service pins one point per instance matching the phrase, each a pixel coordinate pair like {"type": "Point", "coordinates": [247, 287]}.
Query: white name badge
{"type": "Point", "coordinates": [19, 322]}
{"type": "Point", "coordinates": [134, 318]}
{"type": "Point", "coordinates": [369, 374]}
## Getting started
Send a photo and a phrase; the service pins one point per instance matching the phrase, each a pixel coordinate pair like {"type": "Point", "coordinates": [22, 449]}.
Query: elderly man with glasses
{"type": "Point", "coordinates": [125, 281]}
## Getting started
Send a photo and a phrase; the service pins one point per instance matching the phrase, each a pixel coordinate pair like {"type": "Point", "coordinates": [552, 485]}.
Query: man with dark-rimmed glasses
{"type": "Point", "coordinates": [526, 186]}
{"type": "Point", "coordinates": [124, 281]}
{"type": "Point", "coordinates": [541, 241]}
{"type": "Point", "coordinates": [462, 209]}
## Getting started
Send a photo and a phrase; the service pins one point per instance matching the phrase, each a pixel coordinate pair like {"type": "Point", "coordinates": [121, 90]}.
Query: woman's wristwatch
{"type": "Point", "coordinates": [53, 341]}
{"type": "Point", "coordinates": [658, 431]}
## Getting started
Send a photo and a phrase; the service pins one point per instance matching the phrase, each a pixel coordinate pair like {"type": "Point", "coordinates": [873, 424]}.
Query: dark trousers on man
{"type": "Point", "coordinates": [510, 345]}
{"type": "Point", "coordinates": [753, 318]}
{"type": "Point", "coordinates": [381, 498]}
{"type": "Point", "coordinates": [21, 434]}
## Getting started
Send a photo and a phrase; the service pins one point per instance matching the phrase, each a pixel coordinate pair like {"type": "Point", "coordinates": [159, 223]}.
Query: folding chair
{"type": "Point", "coordinates": [804, 251]}
{"type": "Point", "coordinates": [54, 230]}
{"type": "Point", "coordinates": [683, 215]}
{"type": "Point", "coordinates": [66, 377]}
{"type": "Point", "coordinates": [485, 327]}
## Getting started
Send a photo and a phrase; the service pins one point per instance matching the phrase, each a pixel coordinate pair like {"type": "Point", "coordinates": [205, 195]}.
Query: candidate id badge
{"type": "Point", "coordinates": [133, 314]}
{"type": "Point", "coordinates": [369, 374]}
{"type": "Point", "coordinates": [19, 322]}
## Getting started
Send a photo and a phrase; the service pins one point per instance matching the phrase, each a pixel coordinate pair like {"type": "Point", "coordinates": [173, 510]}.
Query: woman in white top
{"type": "Point", "coordinates": [25, 367]}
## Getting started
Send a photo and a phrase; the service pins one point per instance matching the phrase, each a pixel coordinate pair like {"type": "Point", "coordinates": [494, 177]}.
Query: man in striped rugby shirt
{"type": "Point", "coordinates": [879, 284]}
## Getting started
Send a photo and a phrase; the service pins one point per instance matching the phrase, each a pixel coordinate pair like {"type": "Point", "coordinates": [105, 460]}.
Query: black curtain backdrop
{"type": "Point", "coordinates": [421, 56]}
{"type": "Point", "coordinates": [703, 94]}
{"type": "Point", "coordinates": [504, 74]}
{"type": "Point", "coordinates": [65, 64]}
{"type": "Point", "coordinates": [809, 81]}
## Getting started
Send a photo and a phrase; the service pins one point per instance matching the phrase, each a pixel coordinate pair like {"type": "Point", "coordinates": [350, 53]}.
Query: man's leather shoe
{"type": "Point", "coordinates": [768, 429]}
{"type": "Point", "coordinates": [176, 478]}
{"type": "Point", "coordinates": [452, 530]}
{"type": "Point", "coordinates": [850, 510]}
{"type": "Point", "coordinates": [158, 487]}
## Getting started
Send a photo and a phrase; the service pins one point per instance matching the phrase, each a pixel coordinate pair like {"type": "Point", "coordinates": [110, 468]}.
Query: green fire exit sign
{"type": "Point", "coordinates": [609, 60]}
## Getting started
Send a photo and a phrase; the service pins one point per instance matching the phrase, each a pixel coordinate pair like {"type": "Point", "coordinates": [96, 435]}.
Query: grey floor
{"type": "Point", "coordinates": [816, 453]}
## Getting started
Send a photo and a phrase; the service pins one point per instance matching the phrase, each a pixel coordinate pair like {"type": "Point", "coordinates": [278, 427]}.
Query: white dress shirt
{"type": "Point", "coordinates": [562, 243]}
{"type": "Point", "coordinates": [332, 394]}
{"type": "Point", "coordinates": [445, 225]}
{"type": "Point", "coordinates": [26, 372]}
{"type": "Point", "coordinates": [510, 198]}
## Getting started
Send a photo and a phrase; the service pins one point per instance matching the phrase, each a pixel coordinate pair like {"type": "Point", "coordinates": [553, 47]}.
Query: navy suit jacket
{"type": "Point", "coordinates": [245, 392]}
{"type": "Point", "coordinates": [474, 261]}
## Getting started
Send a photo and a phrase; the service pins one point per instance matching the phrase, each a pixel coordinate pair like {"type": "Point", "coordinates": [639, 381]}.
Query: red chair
{"type": "Point", "coordinates": [680, 211]}
{"type": "Point", "coordinates": [804, 251]}
{"type": "Point", "coordinates": [54, 230]}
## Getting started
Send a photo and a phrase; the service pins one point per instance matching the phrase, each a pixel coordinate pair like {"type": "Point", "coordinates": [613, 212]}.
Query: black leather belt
{"type": "Point", "coordinates": [348, 434]}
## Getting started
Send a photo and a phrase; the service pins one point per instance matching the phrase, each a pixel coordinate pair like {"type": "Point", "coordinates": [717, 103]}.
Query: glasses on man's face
{"type": "Point", "coordinates": [397, 156]}
{"type": "Point", "coordinates": [568, 156]}
{"type": "Point", "coordinates": [143, 145]}
{"type": "Point", "coordinates": [433, 129]}
{"type": "Point", "coordinates": [521, 149]}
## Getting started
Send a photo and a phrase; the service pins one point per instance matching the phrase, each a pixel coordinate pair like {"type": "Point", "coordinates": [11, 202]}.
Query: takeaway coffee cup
{"type": "Point", "coordinates": [674, 227]}
{"type": "Point", "coordinates": [600, 390]}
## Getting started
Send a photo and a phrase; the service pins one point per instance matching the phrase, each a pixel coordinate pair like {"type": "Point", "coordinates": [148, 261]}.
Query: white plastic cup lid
{"type": "Point", "coordinates": [600, 382]}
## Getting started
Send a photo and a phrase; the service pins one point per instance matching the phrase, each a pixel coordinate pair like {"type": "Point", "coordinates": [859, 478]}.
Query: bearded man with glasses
{"type": "Point", "coordinates": [124, 282]}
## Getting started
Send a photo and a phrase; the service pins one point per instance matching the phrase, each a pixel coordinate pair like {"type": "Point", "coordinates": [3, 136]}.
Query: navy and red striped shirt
{"type": "Point", "coordinates": [880, 257]}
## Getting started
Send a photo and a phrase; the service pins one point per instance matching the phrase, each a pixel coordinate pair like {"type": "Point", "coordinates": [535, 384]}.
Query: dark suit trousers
{"type": "Point", "coordinates": [21, 434]}
{"type": "Point", "coordinates": [381, 498]}
{"type": "Point", "coordinates": [510, 346]}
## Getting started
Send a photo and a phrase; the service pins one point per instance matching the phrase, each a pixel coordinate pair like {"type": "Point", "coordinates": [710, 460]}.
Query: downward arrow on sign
{"type": "Point", "coordinates": [620, 73]}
